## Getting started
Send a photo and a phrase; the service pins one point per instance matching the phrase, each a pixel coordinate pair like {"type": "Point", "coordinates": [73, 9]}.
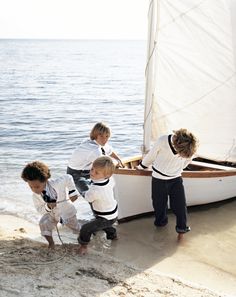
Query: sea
{"type": "Point", "coordinates": [52, 93]}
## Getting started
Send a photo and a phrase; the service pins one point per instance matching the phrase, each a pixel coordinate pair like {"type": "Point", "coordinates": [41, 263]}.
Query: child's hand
{"type": "Point", "coordinates": [120, 164]}
{"type": "Point", "coordinates": [73, 198]}
{"type": "Point", "coordinates": [51, 205]}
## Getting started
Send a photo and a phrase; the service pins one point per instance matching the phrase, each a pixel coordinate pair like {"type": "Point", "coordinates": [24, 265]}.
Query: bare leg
{"type": "Point", "coordinates": [180, 236]}
{"type": "Point", "coordinates": [83, 249]}
{"type": "Point", "coordinates": [50, 241]}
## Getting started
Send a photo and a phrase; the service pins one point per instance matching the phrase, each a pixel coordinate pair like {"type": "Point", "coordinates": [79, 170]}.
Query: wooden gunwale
{"type": "Point", "coordinates": [186, 174]}
{"type": "Point", "coordinates": [196, 169]}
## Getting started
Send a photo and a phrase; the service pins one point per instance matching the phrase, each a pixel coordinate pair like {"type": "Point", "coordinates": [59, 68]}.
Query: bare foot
{"type": "Point", "coordinates": [83, 249]}
{"type": "Point", "coordinates": [180, 237]}
{"type": "Point", "coordinates": [51, 246]}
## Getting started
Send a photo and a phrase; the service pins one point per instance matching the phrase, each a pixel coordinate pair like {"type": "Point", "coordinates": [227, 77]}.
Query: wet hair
{"type": "Point", "coordinates": [99, 129]}
{"type": "Point", "coordinates": [185, 143]}
{"type": "Point", "coordinates": [36, 171]}
{"type": "Point", "coordinates": [106, 164]}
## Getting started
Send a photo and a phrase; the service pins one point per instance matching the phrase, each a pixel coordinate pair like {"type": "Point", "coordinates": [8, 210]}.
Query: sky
{"type": "Point", "coordinates": [74, 19]}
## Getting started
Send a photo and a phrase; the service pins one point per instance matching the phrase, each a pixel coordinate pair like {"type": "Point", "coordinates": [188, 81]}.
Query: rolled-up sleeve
{"type": "Point", "coordinates": [72, 191]}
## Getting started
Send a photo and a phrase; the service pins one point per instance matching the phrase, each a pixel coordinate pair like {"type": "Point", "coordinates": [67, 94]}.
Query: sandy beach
{"type": "Point", "coordinates": [145, 261]}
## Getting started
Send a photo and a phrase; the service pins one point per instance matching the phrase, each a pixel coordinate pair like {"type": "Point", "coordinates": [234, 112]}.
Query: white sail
{"type": "Point", "coordinates": [191, 73]}
{"type": "Point", "coordinates": [190, 83]}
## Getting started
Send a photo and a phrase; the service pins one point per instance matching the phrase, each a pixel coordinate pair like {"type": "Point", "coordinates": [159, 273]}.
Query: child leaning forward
{"type": "Point", "coordinates": [53, 200]}
{"type": "Point", "coordinates": [89, 150]}
{"type": "Point", "coordinates": [168, 157]}
{"type": "Point", "coordinates": [101, 198]}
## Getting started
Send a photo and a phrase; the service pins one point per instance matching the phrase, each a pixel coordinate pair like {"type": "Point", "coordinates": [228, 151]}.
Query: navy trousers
{"type": "Point", "coordinates": [95, 225]}
{"type": "Point", "coordinates": [174, 189]}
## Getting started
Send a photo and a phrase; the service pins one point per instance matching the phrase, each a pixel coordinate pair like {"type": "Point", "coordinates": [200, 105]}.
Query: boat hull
{"type": "Point", "coordinates": [133, 189]}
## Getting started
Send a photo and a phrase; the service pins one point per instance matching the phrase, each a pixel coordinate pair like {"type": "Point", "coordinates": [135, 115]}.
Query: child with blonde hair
{"type": "Point", "coordinates": [169, 156]}
{"type": "Point", "coordinates": [82, 158]}
{"type": "Point", "coordinates": [101, 198]}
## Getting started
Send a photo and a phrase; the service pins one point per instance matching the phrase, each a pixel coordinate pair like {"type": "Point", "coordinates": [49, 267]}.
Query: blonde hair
{"type": "Point", "coordinates": [185, 143]}
{"type": "Point", "coordinates": [36, 171]}
{"type": "Point", "coordinates": [99, 129]}
{"type": "Point", "coordinates": [106, 164]}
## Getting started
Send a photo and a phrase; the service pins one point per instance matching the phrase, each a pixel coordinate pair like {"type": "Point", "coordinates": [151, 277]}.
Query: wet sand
{"type": "Point", "coordinates": [145, 261]}
{"type": "Point", "coordinates": [206, 256]}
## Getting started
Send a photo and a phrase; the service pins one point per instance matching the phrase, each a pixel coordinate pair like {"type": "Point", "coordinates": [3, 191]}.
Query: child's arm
{"type": "Point", "coordinates": [39, 204]}
{"type": "Point", "coordinates": [73, 193]}
{"type": "Point", "coordinates": [116, 157]}
{"type": "Point", "coordinates": [91, 195]}
{"type": "Point", "coordinates": [187, 162]}
{"type": "Point", "coordinates": [149, 158]}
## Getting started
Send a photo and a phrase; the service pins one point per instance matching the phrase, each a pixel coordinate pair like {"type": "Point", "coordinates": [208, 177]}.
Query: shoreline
{"type": "Point", "coordinates": [132, 265]}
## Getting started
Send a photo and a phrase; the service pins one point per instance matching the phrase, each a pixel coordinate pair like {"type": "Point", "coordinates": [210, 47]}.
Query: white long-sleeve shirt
{"type": "Point", "coordinates": [165, 159]}
{"type": "Point", "coordinates": [84, 155]}
{"type": "Point", "coordinates": [101, 196]}
{"type": "Point", "coordinates": [65, 188]}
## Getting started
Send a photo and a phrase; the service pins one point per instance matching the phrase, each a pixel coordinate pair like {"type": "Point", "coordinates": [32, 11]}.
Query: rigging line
{"type": "Point", "coordinates": [149, 112]}
{"type": "Point", "coordinates": [151, 25]}
{"type": "Point", "coordinates": [182, 14]}
{"type": "Point", "coordinates": [149, 58]}
{"type": "Point", "coordinates": [150, 4]}
{"type": "Point", "coordinates": [230, 151]}
{"type": "Point", "coordinates": [200, 98]}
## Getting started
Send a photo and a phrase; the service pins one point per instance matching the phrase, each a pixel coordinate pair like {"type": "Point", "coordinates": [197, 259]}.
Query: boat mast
{"type": "Point", "coordinates": [149, 74]}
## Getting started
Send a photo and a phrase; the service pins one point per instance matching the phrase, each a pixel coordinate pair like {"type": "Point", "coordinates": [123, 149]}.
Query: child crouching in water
{"type": "Point", "coordinates": [101, 198]}
{"type": "Point", "coordinates": [53, 200]}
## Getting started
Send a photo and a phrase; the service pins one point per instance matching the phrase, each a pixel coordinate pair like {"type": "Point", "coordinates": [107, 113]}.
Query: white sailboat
{"type": "Point", "coordinates": [190, 83]}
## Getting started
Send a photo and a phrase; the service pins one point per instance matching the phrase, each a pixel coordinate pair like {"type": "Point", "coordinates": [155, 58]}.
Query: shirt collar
{"type": "Point", "coordinates": [171, 145]}
{"type": "Point", "coordinates": [100, 182]}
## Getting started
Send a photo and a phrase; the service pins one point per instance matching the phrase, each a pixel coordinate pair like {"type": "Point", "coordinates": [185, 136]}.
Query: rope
{"type": "Point", "coordinates": [21, 263]}
{"type": "Point", "coordinates": [59, 236]}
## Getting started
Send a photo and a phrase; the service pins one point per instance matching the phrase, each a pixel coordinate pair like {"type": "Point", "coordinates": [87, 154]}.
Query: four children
{"type": "Point", "coordinates": [53, 198]}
